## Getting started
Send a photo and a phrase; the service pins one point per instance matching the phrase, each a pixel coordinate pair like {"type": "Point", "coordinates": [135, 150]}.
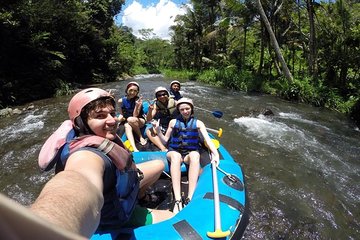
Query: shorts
{"type": "Point", "coordinates": [140, 217]}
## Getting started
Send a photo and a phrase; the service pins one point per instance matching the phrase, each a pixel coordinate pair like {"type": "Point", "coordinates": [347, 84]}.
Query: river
{"type": "Point", "coordinates": [301, 164]}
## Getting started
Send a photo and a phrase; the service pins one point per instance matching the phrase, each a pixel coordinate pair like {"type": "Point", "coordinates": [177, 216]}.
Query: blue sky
{"type": "Point", "coordinates": [156, 14]}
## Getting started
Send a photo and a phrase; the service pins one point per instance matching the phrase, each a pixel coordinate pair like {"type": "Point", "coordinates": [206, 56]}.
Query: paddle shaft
{"type": "Point", "coordinates": [218, 233]}
{"type": "Point", "coordinates": [216, 197]}
{"type": "Point", "coordinates": [216, 114]}
{"type": "Point", "coordinates": [218, 132]}
{"type": "Point", "coordinates": [212, 130]}
{"type": "Point", "coordinates": [203, 109]}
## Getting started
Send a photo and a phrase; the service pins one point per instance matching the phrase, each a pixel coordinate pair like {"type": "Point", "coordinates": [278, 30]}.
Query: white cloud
{"type": "Point", "coordinates": [159, 17]}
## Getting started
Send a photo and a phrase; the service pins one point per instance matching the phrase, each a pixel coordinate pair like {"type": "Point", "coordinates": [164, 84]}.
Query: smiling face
{"type": "Point", "coordinates": [132, 91]}
{"type": "Point", "coordinates": [102, 122]}
{"type": "Point", "coordinates": [162, 96]}
{"type": "Point", "coordinates": [185, 110]}
{"type": "Point", "coordinates": [175, 87]}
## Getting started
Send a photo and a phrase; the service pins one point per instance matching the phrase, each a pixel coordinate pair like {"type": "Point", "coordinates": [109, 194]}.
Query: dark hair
{"type": "Point", "coordinates": [82, 128]}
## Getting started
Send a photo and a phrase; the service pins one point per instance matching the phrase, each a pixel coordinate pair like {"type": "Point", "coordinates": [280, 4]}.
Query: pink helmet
{"type": "Point", "coordinates": [79, 101]}
{"type": "Point", "coordinates": [132, 84]}
{"type": "Point", "coordinates": [185, 100]}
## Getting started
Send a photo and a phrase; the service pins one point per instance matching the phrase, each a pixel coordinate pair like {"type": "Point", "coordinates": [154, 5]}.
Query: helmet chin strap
{"type": "Point", "coordinates": [81, 127]}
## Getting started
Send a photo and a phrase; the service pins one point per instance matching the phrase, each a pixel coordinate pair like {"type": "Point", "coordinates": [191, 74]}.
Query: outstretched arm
{"type": "Point", "coordinates": [210, 144]}
{"type": "Point", "coordinates": [73, 198]}
{"type": "Point", "coordinates": [18, 222]}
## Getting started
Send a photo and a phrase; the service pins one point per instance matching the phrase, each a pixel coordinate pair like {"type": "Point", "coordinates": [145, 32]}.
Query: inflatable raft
{"type": "Point", "coordinates": [213, 213]}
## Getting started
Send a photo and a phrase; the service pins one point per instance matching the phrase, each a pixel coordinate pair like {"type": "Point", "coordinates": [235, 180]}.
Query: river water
{"type": "Point", "coordinates": [301, 164]}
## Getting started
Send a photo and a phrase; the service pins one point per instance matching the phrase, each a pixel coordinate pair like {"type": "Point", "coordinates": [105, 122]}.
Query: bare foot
{"type": "Point", "coordinates": [177, 206]}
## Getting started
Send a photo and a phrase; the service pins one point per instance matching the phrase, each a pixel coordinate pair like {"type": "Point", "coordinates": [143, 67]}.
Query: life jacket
{"type": "Point", "coordinates": [63, 142]}
{"type": "Point", "coordinates": [175, 95]}
{"type": "Point", "coordinates": [185, 136]}
{"type": "Point", "coordinates": [128, 106]}
{"type": "Point", "coordinates": [165, 112]}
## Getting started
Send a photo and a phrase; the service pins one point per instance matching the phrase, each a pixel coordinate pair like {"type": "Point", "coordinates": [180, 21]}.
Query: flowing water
{"type": "Point", "coordinates": [301, 164]}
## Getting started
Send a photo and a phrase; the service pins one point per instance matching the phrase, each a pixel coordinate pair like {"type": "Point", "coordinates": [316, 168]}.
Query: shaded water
{"type": "Point", "coordinates": [301, 165]}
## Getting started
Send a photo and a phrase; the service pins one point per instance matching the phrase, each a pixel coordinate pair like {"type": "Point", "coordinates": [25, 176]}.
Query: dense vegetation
{"type": "Point", "coordinates": [301, 50]}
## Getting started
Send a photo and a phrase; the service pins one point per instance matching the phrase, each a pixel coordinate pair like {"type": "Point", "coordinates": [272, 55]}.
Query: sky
{"type": "Point", "coordinates": [156, 14]}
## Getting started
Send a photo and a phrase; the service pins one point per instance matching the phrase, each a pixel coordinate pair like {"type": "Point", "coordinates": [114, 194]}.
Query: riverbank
{"type": "Point", "coordinates": [300, 91]}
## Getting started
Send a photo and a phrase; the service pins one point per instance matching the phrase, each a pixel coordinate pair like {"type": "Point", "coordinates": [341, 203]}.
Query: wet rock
{"type": "Point", "coordinates": [16, 111]}
{"type": "Point", "coordinates": [355, 113]}
{"type": "Point", "coordinates": [30, 107]}
{"type": "Point", "coordinates": [266, 112]}
{"type": "Point", "coordinates": [9, 111]}
{"type": "Point", "coordinates": [5, 112]}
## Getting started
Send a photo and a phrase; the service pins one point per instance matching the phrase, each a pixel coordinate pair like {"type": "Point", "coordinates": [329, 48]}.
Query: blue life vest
{"type": "Point", "coordinates": [175, 95]}
{"type": "Point", "coordinates": [128, 106]}
{"type": "Point", "coordinates": [185, 136]}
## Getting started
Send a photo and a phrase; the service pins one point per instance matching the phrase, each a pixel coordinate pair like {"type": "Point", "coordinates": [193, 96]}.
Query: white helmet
{"type": "Point", "coordinates": [161, 89]}
{"type": "Point", "coordinates": [132, 84]}
{"type": "Point", "coordinates": [175, 81]}
{"type": "Point", "coordinates": [185, 100]}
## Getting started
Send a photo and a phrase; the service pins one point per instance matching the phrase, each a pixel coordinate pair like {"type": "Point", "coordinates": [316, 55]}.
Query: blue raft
{"type": "Point", "coordinates": [198, 217]}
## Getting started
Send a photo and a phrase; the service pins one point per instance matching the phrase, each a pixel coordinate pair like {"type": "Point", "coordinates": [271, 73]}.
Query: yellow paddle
{"type": "Point", "coordinates": [218, 233]}
{"type": "Point", "coordinates": [128, 145]}
{"type": "Point", "coordinates": [218, 132]}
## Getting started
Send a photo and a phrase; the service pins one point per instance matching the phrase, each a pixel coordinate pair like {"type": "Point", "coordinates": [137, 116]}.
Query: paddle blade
{"type": "Point", "coordinates": [128, 145]}
{"type": "Point", "coordinates": [217, 114]}
{"type": "Point", "coordinates": [218, 234]}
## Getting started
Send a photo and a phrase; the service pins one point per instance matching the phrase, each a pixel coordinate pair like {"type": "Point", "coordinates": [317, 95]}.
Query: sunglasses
{"type": "Point", "coordinates": [161, 95]}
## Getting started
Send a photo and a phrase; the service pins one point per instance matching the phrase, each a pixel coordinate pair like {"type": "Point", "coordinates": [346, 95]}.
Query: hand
{"type": "Point", "coordinates": [139, 102]}
{"type": "Point", "coordinates": [215, 158]}
{"type": "Point", "coordinates": [151, 105]}
{"type": "Point", "coordinates": [155, 124]}
{"type": "Point", "coordinates": [121, 118]}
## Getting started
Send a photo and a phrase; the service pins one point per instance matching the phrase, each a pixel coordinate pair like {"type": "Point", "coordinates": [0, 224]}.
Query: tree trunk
{"type": "Point", "coordinates": [244, 47]}
{"type": "Point", "coordinates": [262, 50]}
{"type": "Point", "coordinates": [274, 42]}
{"type": "Point", "coordinates": [312, 40]}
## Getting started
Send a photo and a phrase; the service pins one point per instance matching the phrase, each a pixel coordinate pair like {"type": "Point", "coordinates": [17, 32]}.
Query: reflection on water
{"type": "Point", "coordinates": [301, 164]}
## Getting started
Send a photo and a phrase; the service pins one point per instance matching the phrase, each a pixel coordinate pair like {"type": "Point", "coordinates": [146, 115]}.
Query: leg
{"type": "Point", "coordinates": [146, 216]}
{"type": "Point", "coordinates": [136, 124]}
{"type": "Point", "coordinates": [155, 139]}
{"type": "Point", "coordinates": [152, 171]}
{"type": "Point", "coordinates": [161, 215]}
{"type": "Point", "coordinates": [175, 171]}
{"type": "Point", "coordinates": [193, 159]}
{"type": "Point", "coordinates": [130, 136]}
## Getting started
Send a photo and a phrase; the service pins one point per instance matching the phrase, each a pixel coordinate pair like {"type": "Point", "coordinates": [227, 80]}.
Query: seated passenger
{"type": "Point", "coordinates": [163, 110]}
{"type": "Point", "coordinates": [132, 114]}
{"type": "Point", "coordinates": [175, 90]}
{"type": "Point", "coordinates": [183, 136]}
{"type": "Point", "coordinates": [96, 183]}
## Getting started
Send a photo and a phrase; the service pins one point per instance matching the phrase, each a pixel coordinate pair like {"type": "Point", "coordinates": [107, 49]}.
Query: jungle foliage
{"type": "Point", "coordinates": [301, 50]}
{"type": "Point", "coordinates": [229, 44]}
